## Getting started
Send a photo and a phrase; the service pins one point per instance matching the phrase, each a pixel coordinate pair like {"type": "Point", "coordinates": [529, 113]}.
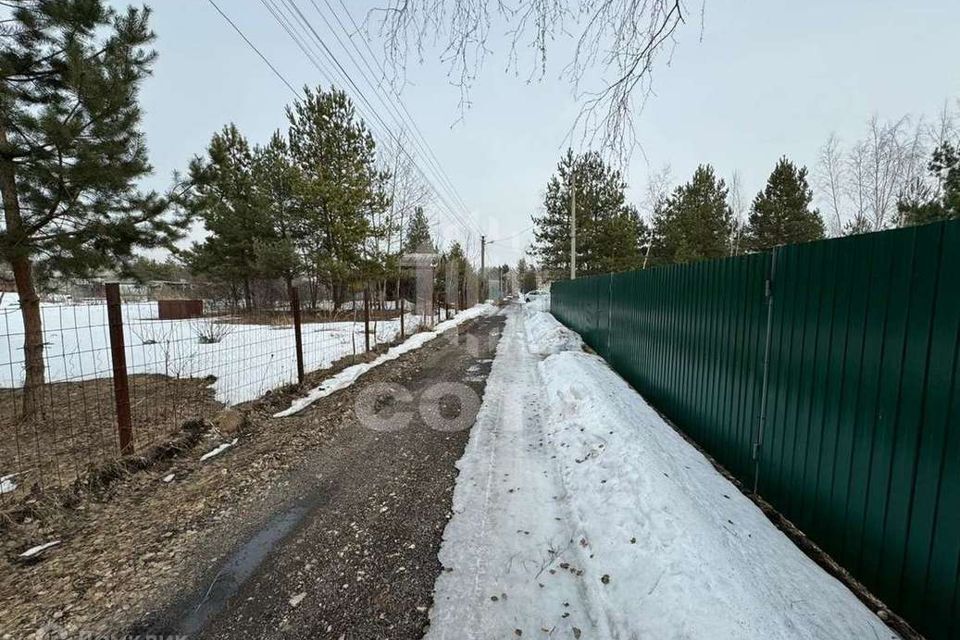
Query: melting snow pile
{"type": "Point", "coordinates": [546, 335]}
{"type": "Point", "coordinates": [579, 512]}
{"type": "Point", "coordinates": [348, 376]}
{"type": "Point", "coordinates": [8, 484]}
{"type": "Point", "coordinates": [40, 548]}
{"type": "Point", "coordinates": [214, 452]}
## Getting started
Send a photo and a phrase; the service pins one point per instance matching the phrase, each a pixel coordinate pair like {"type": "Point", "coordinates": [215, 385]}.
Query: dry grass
{"type": "Point", "coordinates": [75, 430]}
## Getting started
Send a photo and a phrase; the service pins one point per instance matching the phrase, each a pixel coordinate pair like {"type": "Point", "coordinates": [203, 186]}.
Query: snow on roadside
{"type": "Point", "coordinates": [40, 548]}
{"type": "Point", "coordinates": [217, 451]}
{"type": "Point", "coordinates": [579, 512]}
{"type": "Point", "coordinates": [348, 376]}
{"type": "Point", "coordinates": [546, 335]}
{"type": "Point", "coordinates": [8, 484]}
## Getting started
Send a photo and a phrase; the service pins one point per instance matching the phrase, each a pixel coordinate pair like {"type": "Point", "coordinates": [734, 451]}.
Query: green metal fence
{"type": "Point", "coordinates": [826, 376]}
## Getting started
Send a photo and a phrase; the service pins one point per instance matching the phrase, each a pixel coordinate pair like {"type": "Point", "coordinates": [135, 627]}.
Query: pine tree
{"type": "Point", "coordinates": [695, 222]}
{"type": "Point", "coordinates": [71, 149]}
{"type": "Point", "coordinates": [455, 261]}
{"type": "Point", "coordinates": [781, 213]}
{"type": "Point", "coordinates": [225, 196]}
{"type": "Point", "coordinates": [418, 238]}
{"type": "Point", "coordinates": [279, 184]}
{"type": "Point", "coordinates": [526, 276]}
{"type": "Point", "coordinates": [609, 231]}
{"type": "Point", "coordinates": [342, 186]}
{"type": "Point", "coordinates": [923, 202]}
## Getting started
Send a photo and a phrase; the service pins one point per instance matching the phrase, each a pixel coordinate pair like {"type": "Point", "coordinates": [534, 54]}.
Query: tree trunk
{"type": "Point", "coordinates": [17, 253]}
{"type": "Point", "coordinates": [288, 280]}
{"type": "Point", "coordinates": [32, 333]}
{"type": "Point", "coordinates": [247, 294]}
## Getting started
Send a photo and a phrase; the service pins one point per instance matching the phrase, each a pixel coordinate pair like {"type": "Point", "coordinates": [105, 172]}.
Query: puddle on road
{"type": "Point", "coordinates": [238, 569]}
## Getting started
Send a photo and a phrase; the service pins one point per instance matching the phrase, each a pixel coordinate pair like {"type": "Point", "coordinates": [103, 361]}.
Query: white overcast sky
{"type": "Point", "coordinates": [765, 79]}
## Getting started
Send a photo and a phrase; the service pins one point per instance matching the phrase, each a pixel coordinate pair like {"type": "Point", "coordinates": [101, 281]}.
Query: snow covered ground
{"type": "Point", "coordinates": [579, 512]}
{"type": "Point", "coordinates": [348, 376]}
{"type": "Point", "coordinates": [249, 360]}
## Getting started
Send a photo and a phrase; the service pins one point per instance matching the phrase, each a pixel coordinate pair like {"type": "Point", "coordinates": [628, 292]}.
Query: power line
{"type": "Point", "coordinates": [289, 28]}
{"type": "Point", "coordinates": [252, 46]}
{"type": "Point", "coordinates": [297, 35]}
{"type": "Point", "coordinates": [432, 155]}
{"type": "Point", "coordinates": [384, 100]}
{"type": "Point", "coordinates": [307, 29]}
{"type": "Point", "coordinates": [514, 235]}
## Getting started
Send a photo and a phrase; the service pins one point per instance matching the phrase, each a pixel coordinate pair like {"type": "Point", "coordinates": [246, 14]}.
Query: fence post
{"type": "Point", "coordinates": [366, 318]}
{"type": "Point", "coordinates": [402, 335]}
{"type": "Point", "coordinates": [766, 371]}
{"type": "Point", "coordinates": [609, 311]}
{"type": "Point", "coordinates": [121, 387]}
{"type": "Point", "coordinates": [297, 333]}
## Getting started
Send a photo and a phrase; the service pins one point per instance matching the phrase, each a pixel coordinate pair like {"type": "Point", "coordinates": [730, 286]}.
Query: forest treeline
{"type": "Point", "coordinates": [315, 205]}
{"type": "Point", "coordinates": [897, 176]}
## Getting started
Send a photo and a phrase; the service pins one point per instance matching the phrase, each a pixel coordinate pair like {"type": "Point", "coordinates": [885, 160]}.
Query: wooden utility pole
{"type": "Point", "coordinates": [483, 273]}
{"type": "Point", "coordinates": [573, 223]}
{"type": "Point", "coordinates": [366, 317]}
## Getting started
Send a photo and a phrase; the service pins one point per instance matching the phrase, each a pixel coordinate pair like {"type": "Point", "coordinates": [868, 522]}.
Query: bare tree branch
{"type": "Point", "coordinates": [617, 47]}
{"type": "Point", "coordinates": [860, 185]}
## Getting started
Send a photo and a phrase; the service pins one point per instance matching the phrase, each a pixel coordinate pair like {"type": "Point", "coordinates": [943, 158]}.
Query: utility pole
{"type": "Point", "coordinates": [483, 274]}
{"type": "Point", "coordinates": [573, 222]}
{"type": "Point", "coordinates": [647, 245]}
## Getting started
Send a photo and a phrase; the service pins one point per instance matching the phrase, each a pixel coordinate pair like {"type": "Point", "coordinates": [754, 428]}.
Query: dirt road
{"type": "Point", "coordinates": [349, 548]}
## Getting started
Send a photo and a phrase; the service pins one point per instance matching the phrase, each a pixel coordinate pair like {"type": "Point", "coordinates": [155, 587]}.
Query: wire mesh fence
{"type": "Point", "coordinates": [124, 373]}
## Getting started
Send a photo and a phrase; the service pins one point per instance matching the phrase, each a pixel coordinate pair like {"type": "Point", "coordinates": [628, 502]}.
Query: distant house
{"type": "Point", "coordinates": [93, 287]}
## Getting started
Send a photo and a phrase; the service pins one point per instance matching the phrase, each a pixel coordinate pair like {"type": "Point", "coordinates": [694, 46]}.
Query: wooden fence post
{"type": "Point", "coordinates": [366, 318]}
{"type": "Point", "coordinates": [297, 333]}
{"type": "Point", "coordinates": [121, 387]}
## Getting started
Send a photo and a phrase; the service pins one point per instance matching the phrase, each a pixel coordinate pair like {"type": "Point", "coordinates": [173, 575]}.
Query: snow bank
{"type": "Point", "coordinates": [9, 301]}
{"type": "Point", "coordinates": [579, 512]}
{"type": "Point", "coordinates": [538, 302]}
{"type": "Point", "coordinates": [348, 376]}
{"type": "Point", "coordinates": [546, 335]}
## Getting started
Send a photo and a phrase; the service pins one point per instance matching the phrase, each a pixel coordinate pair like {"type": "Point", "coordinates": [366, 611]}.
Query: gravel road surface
{"type": "Point", "coordinates": [350, 548]}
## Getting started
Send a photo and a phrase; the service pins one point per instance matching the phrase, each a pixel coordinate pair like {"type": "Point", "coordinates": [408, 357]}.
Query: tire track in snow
{"type": "Point", "coordinates": [511, 547]}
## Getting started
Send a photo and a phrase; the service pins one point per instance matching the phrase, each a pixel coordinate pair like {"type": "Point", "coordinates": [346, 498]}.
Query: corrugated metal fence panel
{"type": "Point", "coordinates": [861, 446]}
{"type": "Point", "coordinates": [668, 326]}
